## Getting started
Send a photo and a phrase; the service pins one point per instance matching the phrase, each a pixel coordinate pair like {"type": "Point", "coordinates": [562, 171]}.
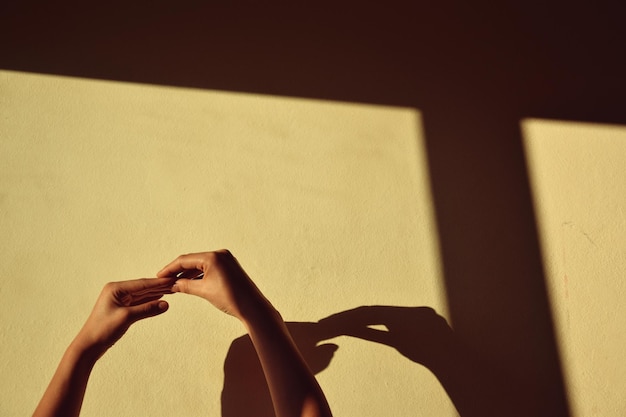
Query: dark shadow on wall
{"type": "Point", "coordinates": [245, 391]}
{"type": "Point", "coordinates": [475, 386]}
{"type": "Point", "coordinates": [492, 264]}
{"type": "Point", "coordinates": [474, 70]}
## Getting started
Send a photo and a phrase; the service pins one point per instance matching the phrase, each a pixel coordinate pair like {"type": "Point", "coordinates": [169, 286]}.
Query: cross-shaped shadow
{"type": "Point", "coordinates": [474, 70]}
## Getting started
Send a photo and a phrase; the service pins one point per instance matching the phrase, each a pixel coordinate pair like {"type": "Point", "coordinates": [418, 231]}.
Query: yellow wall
{"type": "Point", "coordinates": [577, 172]}
{"type": "Point", "coordinates": [327, 206]}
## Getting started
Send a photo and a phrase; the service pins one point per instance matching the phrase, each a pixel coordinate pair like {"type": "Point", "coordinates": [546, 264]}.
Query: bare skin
{"type": "Point", "coordinates": [293, 388]}
{"type": "Point", "coordinates": [119, 306]}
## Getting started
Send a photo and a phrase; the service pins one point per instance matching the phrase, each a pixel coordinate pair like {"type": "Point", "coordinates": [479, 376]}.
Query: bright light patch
{"type": "Point", "coordinates": [327, 205]}
{"type": "Point", "coordinates": [578, 176]}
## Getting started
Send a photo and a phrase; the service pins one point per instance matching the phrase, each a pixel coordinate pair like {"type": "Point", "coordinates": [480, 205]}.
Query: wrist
{"type": "Point", "coordinates": [85, 350]}
{"type": "Point", "coordinates": [260, 314]}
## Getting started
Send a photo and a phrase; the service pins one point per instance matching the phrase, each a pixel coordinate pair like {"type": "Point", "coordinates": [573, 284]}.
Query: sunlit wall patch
{"type": "Point", "coordinates": [577, 173]}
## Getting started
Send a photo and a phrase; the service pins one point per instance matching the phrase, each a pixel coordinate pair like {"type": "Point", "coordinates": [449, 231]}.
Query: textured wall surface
{"type": "Point", "coordinates": [514, 235]}
{"type": "Point", "coordinates": [327, 205]}
{"type": "Point", "coordinates": [577, 171]}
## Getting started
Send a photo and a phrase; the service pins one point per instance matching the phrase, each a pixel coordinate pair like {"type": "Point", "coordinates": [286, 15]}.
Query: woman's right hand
{"type": "Point", "coordinates": [224, 284]}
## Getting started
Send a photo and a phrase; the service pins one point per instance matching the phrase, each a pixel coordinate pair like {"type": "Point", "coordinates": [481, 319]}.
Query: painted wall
{"type": "Point", "coordinates": [328, 207]}
{"type": "Point", "coordinates": [577, 171]}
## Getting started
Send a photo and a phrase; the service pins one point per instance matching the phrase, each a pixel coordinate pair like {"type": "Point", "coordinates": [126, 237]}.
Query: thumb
{"type": "Point", "coordinates": [187, 286]}
{"type": "Point", "coordinates": [142, 311]}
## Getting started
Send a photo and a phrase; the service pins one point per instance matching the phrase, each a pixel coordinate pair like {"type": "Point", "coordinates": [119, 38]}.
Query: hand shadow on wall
{"type": "Point", "coordinates": [418, 333]}
{"type": "Point", "coordinates": [245, 392]}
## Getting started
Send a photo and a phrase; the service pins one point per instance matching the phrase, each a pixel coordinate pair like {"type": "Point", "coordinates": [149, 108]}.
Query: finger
{"type": "Point", "coordinates": [153, 291]}
{"type": "Point", "coordinates": [165, 289]}
{"type": "Point", "coordinates": [144, 285]}
{"type": "Point", "coordinates": [146, 299]}
{"type": "Point", "coordinates": [188, 286]}
{"type": "Point", "coordinates": [182, 263]}
{"type": "Point", "coordinates": [150, 309]}
{"type": "Point", "coordinates": [135, 299]}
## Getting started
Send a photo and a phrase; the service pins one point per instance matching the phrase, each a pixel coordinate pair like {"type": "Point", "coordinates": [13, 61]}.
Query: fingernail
{"type": "Point", "coordinates": [175, 288]}
{"type": "Point", "coordinates": [162, 305]}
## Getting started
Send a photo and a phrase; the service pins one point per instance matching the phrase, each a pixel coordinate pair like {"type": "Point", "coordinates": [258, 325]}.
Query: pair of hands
{"type": "Point", "coordinates": [120, 304]}
{"type": "Point", "coordinates": [293, 388]}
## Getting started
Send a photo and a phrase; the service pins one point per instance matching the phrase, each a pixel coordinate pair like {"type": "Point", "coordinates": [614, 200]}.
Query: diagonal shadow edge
{"type": "Point", "coordinates": [491, 260]}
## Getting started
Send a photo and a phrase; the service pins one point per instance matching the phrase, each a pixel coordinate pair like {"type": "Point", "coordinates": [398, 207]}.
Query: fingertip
{"type": "Point", "coordinates": [162, 306]}
{"type": "Point", "coordinates": [182, 285]}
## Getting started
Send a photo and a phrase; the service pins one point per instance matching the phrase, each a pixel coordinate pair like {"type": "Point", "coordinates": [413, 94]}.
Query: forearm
{"type": "Point", "coordinates": [293, 388]}
{"type": "Point", "coordinates": [65, 393]}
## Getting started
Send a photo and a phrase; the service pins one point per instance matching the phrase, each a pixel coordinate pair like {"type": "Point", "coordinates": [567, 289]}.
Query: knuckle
{"type": "Point", "coordinates": [211, 257]}
{"type": "Point", "coordinates": [224, 255]}
{"type": "Point", "coordinates": [125, 315]}
{"type": "Point", "coordinates": [216, 258]}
